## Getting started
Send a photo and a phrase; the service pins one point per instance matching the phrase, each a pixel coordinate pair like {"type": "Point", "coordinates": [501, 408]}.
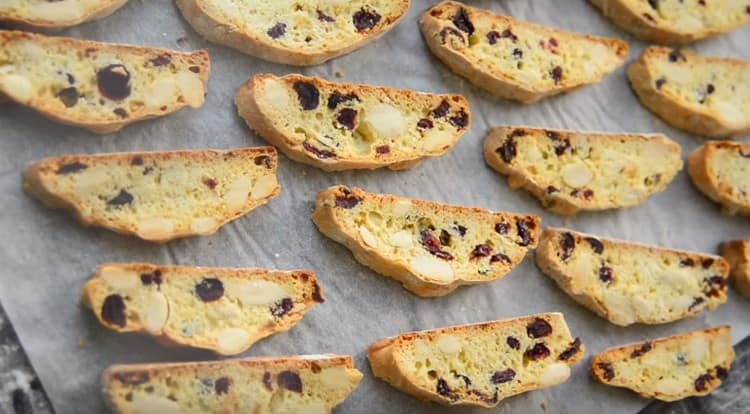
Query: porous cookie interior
{"type": "Point", "coordinates": [729, 164]}
{"type": "Point", "coordinates": [705, 85]}
{"type": "Point", "coordinates": [441, 243]}
{"type": "Point", "coordinates": [98, 82]}
{"type": "Point", "coordinates": [636, 283]}
{"type": "Point", "coordinates": [221, 309]}
{"type": "Point", "coordinates": [588, 169]}
{"type": "Point", "coordinates": [691, 16]}
{"type": "Point", "coordinates": [284, 387]}
{"type": "Point", "coordinates": [344, 121]}
{"type": "Point", "coordinates": [158, 194]}
{"type": "Point", "coordinates": [533, 56]}
{"type": "Point", "coordinates": [491, 361]}
{"type": "Point", "coordinates": [311, 25]}
{"type": "Point", "coordinates": [671, 368]}
{"type": "Point", "coordinates": [46, 10]}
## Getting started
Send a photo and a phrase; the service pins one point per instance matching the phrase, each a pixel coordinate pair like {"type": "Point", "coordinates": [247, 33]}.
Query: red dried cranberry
{"type": "Point", "coordinates": [161, 60]}
{"type": "Point", "coordinates": [282, 307]}
{"type": "Point", "coordinates": [133, 379]}
{"type": "Point", "coordinates": [324, 17]}
{"type": "Point", "coordinates": [209, 289]}
{"type": "Point", "coordinates": [267, 381]}
{"type": "Point", "coordinates": [481, 250]}
{"type": "Point", "coordinates": [492, 37]}
{"type": "Point", "coordinates": [347, 200]}
{"type": "Point", "coordinates": [365, 19]}
{"type": "Point", "coordinates": [425, 123]}
{"type": "Point", "coordinates": [500, 257]}
{"type": "Point", "coordinates": [453, 32]}
{"type": "Point", "coordinates": [539, 328]}
{"type": "Point", "coordinates": [513, 343]}
{"type": "Point", "coordinates": [660, 82]}
{"type": "Point", "coordinates": [595, 244]}
{"type": "Point", "coordinates": [462, 21]}
{"type": "Point", "coordinates": [71, 168]}
{"type": "Point", "coordinates": [337, 98]}
{"type": "Point", "coordinates": [307, 94]}
{"type": "Point", "coordinates": [68, 96]}
{"type": "Point", "coordinates": [701, 383]}
{"type": "Point", "coordinates": [444, 390]}
{"type": "Point", "coordinates": [721, 372]}
{"type": "Point", "coordinates": [556, 73]}
{"type": "Point", "coordinates": [706, 263]}
{"type": "Point", "coordinates": [221, 385]}
{"type": "Point", "coordinates": [278, 30]}
{"type": "Point", "coordinates": [347, 118]}
{"type": "Point", "coordinates": [642, 350]}
{"type": "Point", "coordinates": [567, 245]}
{"type": "Point", "coordinates": [264, 160]}
{"type": "Point", "coordinates": [460, 120]}
{"type": "Point", "coordinates": [675, 55]}
{"type": "Point", "coordinates": [508, 150]}
{"type": "Point", "coordinates": [537, 352]}
{"type": "Point", "coordinates": [688, 262]}
{"type": "Point", "coordinates": [432, 245]}
{"type": "Point", "coordinates": [114, 82]}
{"type": "Point", "coordinates": [500, 377]}
{"type": "Point", "coordinates": [608, 371]}
{"type": "Point", "coordinates": [289, 380]}
{"type": "Point", "coordinates": [573, 349]}
{"type": "Point", "coordinates": [382, 149]}
{"type": "Point", "coordinates": [553, 42]}
{"type": "Point", "coordinates": [508, 34]}
{"type": "Point", "coordinates": [320, 153]}
{"type": "Point", "coordinates": [121, 199]}
{"type": "Point", "coordinates": [210, 183]}
{"type": "Point", "coordinates": [502, 228]}
{"type": "Point", "coordinates": [113, 310]}
{"type": "Point", "coordinates": [149, 278]}
{"type": "Point", "coordinates": [606, 274]}
{"type": "Point", "coordinates": [588, 194]}
{"type": "Point", "coordinates": [696, 302]}
{"type": "Point", "coordinates": [441, 110]}
{"type": "Point", "coordinates": [121, 112]}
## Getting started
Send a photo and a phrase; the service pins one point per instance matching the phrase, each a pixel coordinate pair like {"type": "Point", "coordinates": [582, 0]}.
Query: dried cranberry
{"type": "Point", "coordinates": [486, 398]}
{"type": "Point", "coordinates": [337, 98]}
{"type": "Point", "coordinates": [573, 349]}
{"type": "Point", "coordinates": [461, 229]}
{"type": "Point", "coordinates": [264, 160]}
{"type": "Point", "coordinates": [466, 379]}
{"type": "Point", "coordinates": [539, 328]}
{"type": "Point", "coordinates": [701, 383]}
{"type": "Point", "coordinates": [68, 96]}
{"type": "Point", "coordinates": [445, 238]}
{"type": "Point", "coordinates": [500, 377]}
{"type": "Point", "coordinates": [537, 352]}
{"type": "Point", "coordinates": [552, 189]}
{"type": "Point", "coordinates": [347, 118]}
{"type": "Point", "coordinates": [642, 350]}
{"type": "Point", "coordinates": [221, 385]}
{"type": "Point", "coordinates": [649, 17]}
{"type": "Point", "coordinates": [481, 250]}
{"type": "Point", "coordinates": [194, 69]}
{"type": "Point", "coordinates": [320, 153]}
{"type": "Point", "coordinates": [696, 302]}
{"type": "Point", "coordinates": [567, 245]}
{"type": "Point", "coordinates": [453, 32]}
{"type": "Point", "coordinates": [148, 170]}
{"type": "Point", "coordinates": [209, 289]}
{"type": "Point", "coordinates": [282, 307]}
{"type": "Point", "coordinates": [289, 380]}
{"type": "Point", "coordinates": [660, 82]}
{"type": "Point", "coordinates": [588, 194]}
{"type": "Point", "coordinates": [113, 310]}
{"type": "Point", "coordinates": [518, 53]}
{"type": "Point", "coordinates": [122, 113]}
{"type": "Point", "coordinates": [324, 17]}
{"type": "Point", "coordinates": [508, 34]}
{"type": "Point", "coordinates": [432, 245]}
{"type": "Point", "coordinates": [365, 20]}
{"type": "Point", "coordinates": [441, 110]}
{"type": "Point", "coordinates": [137, 160]}
{"type": "Point", "coordinates": [595, 244]}
{"type": "Point", "coordinates": [161, 60]}
{"type": "Point", "coordinates": [500, 257]}
{"type": "Point", "coordinates": [502, 228]}
{"type": "Point", "coordinates": [609, 372]}
{"type": "Point", "coordinates": [443, 389]}
{"type": "Point", "coordinates": [556, 74]}
{"type": "Point", "coordinates": [688, 262]}
{"type": "Point", "coordinates": [278, 30]}
{"type": "Point", "coordinates": [425, 123]}
{"type": "Point", "coordinates": [508, 150]}
{"type": "Point", "coordinates": [460, 120]}
{"type": "Point", "coordinates": [553, 42]}
{"type": "Point", "coordinates": [347, 200]}
{"type": "Point", "coordinates": [462, 21]}
{"type": "Point", "coordinates": [307, 94]}
{"type": "Point", "coordinates": [492, 37]}
{"type": "Point", "coordinates": [382, 149]}
{"type": "Point", "coordinates": [606, 274]}
{"type": "Point", "coordinates": [513, 343]}
{"type": "Point", "coordinates": [316, 296]}
{"type": "Point", "coordinates": [267, 381]}
{"type": "Point", "coordinates": [114, 82]}
{"type": "Point", "coordinates": [715, 284]}
{"type": "Point", "coordinates": [706, 263]}
{"type": "Point", "coordinates": [149, 278]}
{"type": "Point", "coordinates": [121, 199]}
{"type": "Point", "coordinates": [675, 55]}
{"type": "Point", "coordinates": [133, 378]}
{"type": "Point", "coordinates": [721, 372]}
{"type": "Point", "coordinates": [70, 168]}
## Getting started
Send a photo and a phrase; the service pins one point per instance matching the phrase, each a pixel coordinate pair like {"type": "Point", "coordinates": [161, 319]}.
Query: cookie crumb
{"type": "Point", "coordinates": [339, 74]}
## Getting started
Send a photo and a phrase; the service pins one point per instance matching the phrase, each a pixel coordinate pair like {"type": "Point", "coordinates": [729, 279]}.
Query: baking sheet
{"type": "Point", "coordinates": [46, 256]}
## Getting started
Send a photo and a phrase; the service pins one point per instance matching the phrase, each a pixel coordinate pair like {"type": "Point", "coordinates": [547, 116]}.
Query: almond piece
{"type": "Point", "coordinates": [382, 121]}
{"type": "Point", "coordinates": [204, 225]}
{"type": "Point", "coordinates": [258, 292]}
{"type": "Point", "coordinates": [17, 87]}
{"type": "Point", "coordinates": [155, 228]}
{"type": "Point", "coordinates": [118, 278]}
{"type": "Point", "coordinates": [155, 312]}
{"type": "Point", "coordinates": [554, 374]}
{"type": "Point", "coordinates": [433, 268]}
{"type": "Point", "coordinates": [236, 196]}
{"type": "Point", "coordinates": [367, 237]}
{"type": "Point", "coordinates": [264, 187]}
{"type": "Point", "coordinates": [449, 344]}
{"type": "Point", "coordinates": [577, 175]}
{"type": "Point", "coordinates": [275, 94]}
{"type": "Point", "coordinates": [232, 341]}
{"type": "Point", "coordinates": [192, 89]}
{"type": "Point", "coordinates": [152, 404]}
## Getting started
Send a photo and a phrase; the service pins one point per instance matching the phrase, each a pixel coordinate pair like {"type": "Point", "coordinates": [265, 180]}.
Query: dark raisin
{"type": "Point", "coordinates": [445, 238]}
{"type": "Point", "coordinates": [289, 380]}
{"type": "Point", "coordinates": [502, 228]}
{"type": "Point", "coordinates": [307, 94]}
{"type": "Point", "coordinates": [36, 384]}
{"type": "Point", "coordinates": [21, 402]}
{"type": "Point", "coordinates": [441, 110]}
{"type": "Point", "coordinates": [513, 343]}
{"type": "Point", "coordinates": [654, 4]}
{"type": "Point", "coordinates": [432, 245]}
{"type": "Point", "coordinates": [129, 397]}
{"type": "Point", "coordinates": [696, 302]}
{"type": "Point", "coordinates": [210, 183]}
{"type": "Point", "coordinates": [121, 199]}
{"type": "Point", "coordinates": [320, 153]}
{"type": "Point", "coordinates": [195, 69]}
{"type": "Point", "coordinates": [382, 149]}
{"type": "Point", "coordinates": [716, 284]}
{"type": "Point", "coordinates": [221, 385]}
{"type": "Point", "coordinates": [608, 371]}
{"type": "Point", "coordinates": [113, 310]}
{"type": "Point", "coordinates": [133, 378]}
{"type": "Point", "coordinates": [462, 21]}
{"type": "Point", "coordinates": [336, 98]}
{"type": "Point", "coordinates": [282, 307]}
{"type": "Point", "coordinates": [573, 349]}
{"type": "Point", "coordinates": [264, 160]}
{"type": "Point", "coordinates": [553, 42]}
{"type": "Point", "coordinates": [209, 289]}
{"type": "Point", "coordinates": [461, 229]}
{"type": "Point", "coordinates": [500, 377]}
{"type": "Point", "coordinates": [347, 118]}
{"type": "Point", "coordinates": [701, 383]}
{"type": "Point", "coordinates": [492, 37]}
{"type": "Point", "coordinates": [161, 60]}
{"type": "Point", "coordinates": [71, 168]}
{"type": "Point", "coordinates": [425, 123]}
{"type": "Point", "coordinates": [460, 120]}
{"type": "Point", "coordinates": [364, 20]}
{"type": "Point", "coordinates": [348, 200]}
{"type": "Point", "coordinates": [324, 17]}
{"type": "Point", "coordinates": [702, 2]}
{"type": "Point", "coordinates": [660, 82]}
{"type": "Point", "coordinates": [675, 55]}
{"type": "Point", "coordinates": [121, 112]}
{"type": "Point", "coordinates": [486, 398]}
{"type": "Point", "coordinates": [567, 245]}
{"type": "Point", "coordinates": [706, 263]}
{"type": "Point", "coordinates": [710, 89]}
{"type": "Point", "coordinates": [500, 257]}
{"type": "Point", "coordinates": [539, 328]}
{"type": "Point", "coordinates": [552, 189]}
{"type": "Point", "coordinates": [278, 30]}
{"type": "Point", "coordinates": [267, 381]}
{"type": "Point", "coordinates": [508, 150]}
{"type": "Point", "coordinates": [316, 296]}
{"type": "Point", "coordinates": [595, 244]}
{"type": "Point", "coordinates": [71, 79]}
{"type": "Point", "coordinates": [688, 262]}
{"type": "Point", "coordinates": [588, 194]}
{"type": "Point", "coordinates": [443, 389]}
{"type": "Point", "coordinates": [114, 82]}
{"type": "Point", "coordinates": [537, 352]}
{"type": "Point", "coordinates": [507, 34]}
{"type": "Point", "coordinates": [722, 373]}
{"type": "Point", "coordinates": [453, 32]}
{"type": "Point", "coordinates": [481, 250]}
{"type": "Point", "coordinates": [137, 160]}
{"type": "Point", "coordinates": [606, 274]}
{"type": "Point", "coordinates": [68, 96]}
{"type": "Point", "coordinates": [556, 74]}
{"type": "Point", "coordinates": [518, 53]}
{"type": "Point", "coordinates": [642, 350]}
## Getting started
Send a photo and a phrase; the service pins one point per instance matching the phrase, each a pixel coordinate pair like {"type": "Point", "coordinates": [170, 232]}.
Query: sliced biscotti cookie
{"type": "Point", "coordinates": [628, 283]}
{"type": "Point", "coordinates": [431, 248]}
{"type": "Point", "coordinates": [721, 170]}
{"type": "Point", "coordinates": [706, 96]}
{"type": "Point", "coordinates": [572, 171]}
{"type": "Point", "coordinates": [57, 14]}
{"type": "Point", "coordinates": [671, 368]}
{"type": "Point", "coordinates": [157, 196]}
{"type": "Point", "coordinates": [98, 86]}
{"type": "Point", "coordinates": [340, 126]}
{"type": "Point", "coordinates": [737, 253]}
{"type": "Point", "coordinates": [225, 310]}
{"type": "Point", "coordinates": [479, 364]}
{"type": "Point", "coordinates": [281, 385]}
{"type": "Point", "coordinates": [295, 33]}
{"type": "Point", "coordinates": [514, 59]}
{"type": "Point", "coordinates": [675, 21]}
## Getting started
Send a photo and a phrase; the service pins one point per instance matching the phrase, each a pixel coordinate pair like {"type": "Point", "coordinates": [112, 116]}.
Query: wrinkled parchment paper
{"type": "Point", "coordinates": [46, 256]}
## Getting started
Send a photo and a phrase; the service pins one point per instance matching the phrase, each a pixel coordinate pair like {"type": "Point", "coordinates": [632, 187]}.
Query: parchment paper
{"type": "Point", "coordinates": [46, 256]}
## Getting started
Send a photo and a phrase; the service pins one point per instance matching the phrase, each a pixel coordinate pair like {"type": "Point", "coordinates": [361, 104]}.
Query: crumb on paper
{"type": "Point", "coordinates": [304, 173]}
{"type": "Point", "coordinates": [81, 341]}
{"type": "Point", "coordinates": [543, 406]}
{"type": "Point", "coordinates": [566, 221]}
{"type": "Point", "coordinates": [182, 40]}
{"type": "Point", "coordinates": [339, 74]}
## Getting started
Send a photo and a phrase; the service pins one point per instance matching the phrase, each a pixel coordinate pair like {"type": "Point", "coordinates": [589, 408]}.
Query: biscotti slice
{"type": "Point", "coordinates": [706, 96]}
{"type": "Point", "coordinates": [721, 170]}
{"type": "Point", "coordinates": [628, 283]}
{"type": "Point", "coordinates": [737, 253]}
{"type": "Point", "coordinates": [514, 59]}
{"type": "Point", "coordinates": [479, 364]}
{"type": "Point", "coordinates": [281, 385]}
{"type": "Point", "coordinates": [671, 368]}
{"type": "Point", "coordinates": [675, 21]}
{"type": "Point", "coordinates": [224, 310]}
{"type": "Point", "coordinates": [572, 171]}
{"type": "Point", "coordinates": [431, 248]}
{"type": "Point", "coordinates": [295, 33]}
{"type": "Point", "coordinates": [57, 14]}
{"type": "Point", "coordinates": [340, 126]}
{"type": "Point", "coordinates": [157, 196]}
{"type": "Point", "coordinates": [98, 86]}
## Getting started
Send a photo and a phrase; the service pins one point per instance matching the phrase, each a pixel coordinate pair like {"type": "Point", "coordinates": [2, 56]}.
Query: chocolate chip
{"type": "Point", "coordinates": [642, 350]}
{"type": "Point", "coordinates": [221, 385]}
{"type": "Point", "coordinates": [347, 118]}
{"type": "Point", "coordinates": [364, 19]}
{"type": "Point", "coordinates": [209, 289]}
{"type": "Point", "coordinates": [609, 372]}
{"type": "Point", "coordinates": [453, 32]}
{"type": "Point", "coordinates": [537, 352]}
{"type": "Point", "coordinates": [382, 149]}
{"type": "Point", "coordinates": [567, 245]}
{"type": "Point", "coordinates": [267, 381]}
{"type": "Point", "coordinates": [500, 257]}
{"type": "Point", "coordinates": [282, 307]}
{"type": "Point", "coordinates": [573, 349]}
{"type": "Point", "coordinates": [660, 82]}
{"type": "Point", "coordinates": [348, 200]}
{"type": "Point", "coordinates": [445, 238]}
{"type": "Point", "coordinates": [324, 17]}
{"type": "Point", "coordinates": [122, 113]}
{"type": "Point", "coordinates": [508, 150]}
{"type": "Point", "coordinates": [307, 94]}
{"type": "Point", "coordinates": [432, 245]}
{"type": "Point", "coordinates": [502, 228]}
{"type": "Point", "coordinates": [161, 60]}
{"type": "Point", "coordinates": [462, 21]}
{"type": "Point", "coordinates": [538, 328]}
{"type": "Point", "coordinates": [492, 37]}
{"type": "Point", "coordinates": [337, 98]}
{"type": "Point", "coordinates": [513, 343]}
{"type": "Point", "coordinates": [132, 379]}
{"type": "Point", "coordinates": [606, 274]}
{"type": "Point", "coordinates": [71, 168]}
{"type": "Point", "coordinates": [721, 372]}
{"type": "Point", "coordinates": [425, 123]}
{"type": "Point", "coordinates": [278, 30]}
{"type": "Point", "coordinates": [688, 262]}
{"type": "Point", "coordinates": [320, 153]}
{"type": "Point", "coordinates": [113, 310]}
{"type": "Point", "coordinates": [460, 120]}
{"type": "Point", "coordinates": [500, 377]}
{"type": "Point", "coordinates": [114, 82]}
{"type": "Point", "coordinates": [441, 110]}
{"type": "Point", "coordinates": [68, 96]}
{"type": "Point", "coordinates": [696, 302]}
{"type": "Point", "coordinates": [556, 74]}
{"type": "Point", "coordinates": [595, 244]}
{"type": "Point", "coordinates": [289, 380]}
{"type": "Point", "coordinates": [481, 250]}
{"type": "Point", "coordinates": [264, 160]}
{"type": "Point", "coordinates": [518, 53]}
{"type": "Point", "coordinates": [443, 389]}
{"type": "Point", "coordinates": [701, 383]}
{"type": "Point", "coordinates": [676, 55]}
{"type": "Point", "coordinates": [121, 199]}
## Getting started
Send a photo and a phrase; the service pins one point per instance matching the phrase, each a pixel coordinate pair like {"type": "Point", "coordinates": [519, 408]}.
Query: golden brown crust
{"type": "Point", "coordinates": [99, 11]}
{"type": "Point", "coordinates": [737, 253]}
{"type": "Point", "coordinates": [703, 176]}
